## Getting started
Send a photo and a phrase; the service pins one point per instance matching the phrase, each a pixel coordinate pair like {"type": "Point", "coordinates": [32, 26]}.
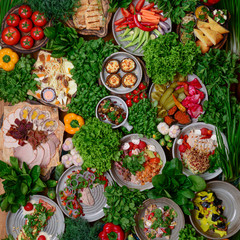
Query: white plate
{"type": "Point", "coordinates": [161, 202]}
{"type": "Point", "coordinates": [230, 197]}
{"type": "Point", "coordinates": [137, 71]}
{"type": "Point", "coordinates": [131, 49]}
{"type": "Point", "coordinates": [55, 225]}
{"type": "Point", "coordinates": [191, 77]}
{"type": "Point", "coordinates": [92, 213]}
{"type": "Point", "coordinates": [119, 179]}
{"type": "Point", "coordinates": [186, 130]}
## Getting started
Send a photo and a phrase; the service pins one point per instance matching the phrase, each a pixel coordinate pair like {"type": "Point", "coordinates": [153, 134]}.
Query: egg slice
{"type": "Point", "coordinates": [29, 212]}
{"type": "Point", "coordinates": [42, 234]}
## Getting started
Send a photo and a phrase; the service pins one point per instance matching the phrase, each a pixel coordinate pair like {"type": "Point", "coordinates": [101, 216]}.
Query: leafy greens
{"type": "Point", "coordinates": [98, 144]}
{"type": "Point", "coordinates": [165, 56]}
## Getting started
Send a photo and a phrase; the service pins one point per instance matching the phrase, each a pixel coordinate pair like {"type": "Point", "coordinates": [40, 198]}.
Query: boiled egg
{"type": "Point", "coordinates": [151, 148]}
{"type": "Point", "coordinates": [136, 141]}
{"type": "Point", "coordinates": [67, 66]}
{"type": "Point", "coordinates": [44, 236]}
{"type": "Point", "coordinates": [126, 146]}
{"type": "Point", "coordinates": [72, 87]}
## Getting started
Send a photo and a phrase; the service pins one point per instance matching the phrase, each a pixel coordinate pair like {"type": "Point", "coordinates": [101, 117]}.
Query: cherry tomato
{"type": "Point", "coordinates": [13, 20]}
{"type": "Point", "coordinates": [129, 102]}
{"type": "Point", "coordinates": [25, 11]}
{"type": "Point", "coordinates": [136, 91]}
{"type": "Point", "coordinates": [142, 86]}
{"type": "Point", "coordinates": [25, 25]}
{"type": "Point", "coordinates": [131, 145]}
{"type": "Point", "coordinates": [37, 33]}
{"type": "Point", "coordinates": [28, 206]}
{"type": "Point", "coordinates": [27, 42]}
{"type": "Point", "coordinates": [141, 145]}
{"type": "Point", "coordinates": [10, 35]}
{"type": "Point", "coordinates": [136, 99]}
{"type": "Point", "coordinates": [171, 227]}
{"type": "Point", "coordinates": [143, 95]}
{"type": "Point", "coordinates": [39, 19]}
{"type": "Point", "coordinates": [41, 237]}
{"type": "Point", "coordinates": [129, 95]}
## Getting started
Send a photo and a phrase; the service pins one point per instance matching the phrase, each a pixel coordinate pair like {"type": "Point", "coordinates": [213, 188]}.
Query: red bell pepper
{"type": "Point", "coordinates": [131, 9]}
{"type": "Point", "coordinates": [125, 12]}
{"type": "Point", "coordinates": [162, 18]}
{"type": "Point", "coordinates": [205, 131]}
{"type": "Point", "coordinates": [210, 2]}
{"type": "Point", "coordinates": [155, 160]}
{"type": "Point", "coordinates": [148, 24]}
{"type": "Point", "coordinates": [120, 21]}
{"type": "Point", "coordinates": [139, 25]}
{"type": "Point", "coordinates": [121, 27]}
{"type": "Point", "coordinates": [149, 6]}
{"type": "Point", "coordinates": [156, 10]}
{"type": "Point", "coordinates": [151, 216]}
{"type": "Point", "coordinates": [140, 5]}
{"type": "Point", "coordinates": [110, 227]}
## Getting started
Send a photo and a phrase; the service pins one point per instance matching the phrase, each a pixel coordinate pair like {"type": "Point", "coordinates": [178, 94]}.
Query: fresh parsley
{"type": "Point", "coordinates": [134, 163]}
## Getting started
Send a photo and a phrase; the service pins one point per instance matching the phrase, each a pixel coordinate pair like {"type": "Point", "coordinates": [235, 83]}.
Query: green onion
{"type": "Point", "coordinates": [233, 6]}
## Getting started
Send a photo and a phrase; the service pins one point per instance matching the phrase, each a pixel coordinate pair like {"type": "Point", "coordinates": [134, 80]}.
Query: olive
{"type": "Point", "coordinates": [217, 202]}
{"type": "Point", "coordinates": [221, 210]}
{"type": "Point", "coordinates": [206, 204]}
{"type": "Point", "coordinates": [200, 215]}
{"type": "Point", "coordinates": [196, 207]}
{"type": "Point", "coordinates": [215, 217]}
{"type": "Point", "coordinates": [221, 225]}
{"type": "Point", "coordinates": [203, 197]}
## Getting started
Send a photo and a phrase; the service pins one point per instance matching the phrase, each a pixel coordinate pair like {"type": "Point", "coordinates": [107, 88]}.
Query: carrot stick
{"type": "Point", "coordinates": [147, 12]}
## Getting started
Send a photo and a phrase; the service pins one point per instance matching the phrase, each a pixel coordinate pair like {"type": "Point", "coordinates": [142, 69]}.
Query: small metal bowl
{"type": "Point", "coordinates": [121, 103]}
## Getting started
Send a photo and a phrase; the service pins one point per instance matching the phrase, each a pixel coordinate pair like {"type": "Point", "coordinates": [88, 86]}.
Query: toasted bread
{"type": "Point", "coordinates": [201, 24]}
{"type": "Point", "coordinates": [216, 27]}
{"type": "Point", "coordinates": [215, 37]}
{"type": "Point", "coordinates": [205, 40]}
{"type": "Point", "coordinates": [203, 48]}
{"type": "Point", "coordinates": [79, 16]}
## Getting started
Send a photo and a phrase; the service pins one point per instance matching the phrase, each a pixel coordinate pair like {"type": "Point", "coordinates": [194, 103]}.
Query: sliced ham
{"type": "Point", "coordinates": [54, 138]}
{"type": "Point", "coordinates": [9, 139]}
{"type": "Point", "coordinates": [17, 113]}
{"type": "Point", "coordinates": [11, 118]}
{"type": "Point", "coordinates": [87, 197]}
{"type": "Point", "coordinates": [11, 144]}
{"type": "Point", "coordinates": [25, 153]}
{"type": "Point", "coordinates": [52, 148]}
{"type": "Point", "coordinates": [39, 157]}
{"type": "Point", "coordinates": [47, 156]}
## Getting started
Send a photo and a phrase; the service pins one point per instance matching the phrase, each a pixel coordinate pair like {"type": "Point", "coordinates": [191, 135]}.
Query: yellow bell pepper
{"type": "Point", "coordinates": [8, 59]}
{"type": "Point", "coordinates": [73, 123]}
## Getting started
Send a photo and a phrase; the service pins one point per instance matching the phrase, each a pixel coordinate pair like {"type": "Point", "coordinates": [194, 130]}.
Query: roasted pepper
{"type": "Point", "coordinates": [8, 59]}
{"type": "Point", "coordinates": [73, 123]}
{"type": "Point", "coordinates": [111, 230]}
{"type": "Point", "coordinates": [178, 104]}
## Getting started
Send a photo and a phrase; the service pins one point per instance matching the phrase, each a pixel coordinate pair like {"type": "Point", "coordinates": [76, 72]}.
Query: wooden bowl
{"type": "Point", "coordinates": [38, 44]}
{"type": "Point", "coordinates": [103, 31]}
{"type": "Point", "coordinates": [225, 36]}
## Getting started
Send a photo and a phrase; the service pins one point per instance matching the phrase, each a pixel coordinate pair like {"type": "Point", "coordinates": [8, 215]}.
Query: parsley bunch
{"type": "Point", "coordinates": [15, 84]}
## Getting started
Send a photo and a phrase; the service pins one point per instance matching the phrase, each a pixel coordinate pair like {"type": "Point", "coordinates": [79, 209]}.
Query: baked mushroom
{"type": "Point", "coordinates": [113, 80]}
{"type": "Point", "coordinates": [112, 66]}
{"type": "Point", "coordinates": [127, 65]}
{"type": "Point", "coordinates": [129, 80]}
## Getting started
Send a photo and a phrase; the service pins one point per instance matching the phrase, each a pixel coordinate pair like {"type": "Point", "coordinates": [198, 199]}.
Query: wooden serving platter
{"type": "Point", "coordinates": [38, 44]}
{"type": "Point", "coordinates": [103, 31]}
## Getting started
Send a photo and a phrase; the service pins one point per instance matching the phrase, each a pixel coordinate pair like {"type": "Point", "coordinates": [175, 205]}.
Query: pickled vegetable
{"type": "Point", "coordinates": [162, 113]}
{"type": "Point", "coordinates": [156, 96]}
{"type": "Point", "coordinates": [166, 95]}
{"type": "Point", "coordinates": [181, 96]}
{"type": "Point", "coordinates": [160, 88]}
{"type": "Point", "coordinates": [174, 85]}
{"type": "Point", "coordinates": [169, 105]}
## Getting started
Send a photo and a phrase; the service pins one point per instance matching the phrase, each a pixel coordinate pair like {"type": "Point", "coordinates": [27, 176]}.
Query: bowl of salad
{"type": "Point", "coordinates": [159, 219]}
{"type": "Point", "coordinates": [141, 160]}
{"type": "Point", "coordinates": [196, 148]}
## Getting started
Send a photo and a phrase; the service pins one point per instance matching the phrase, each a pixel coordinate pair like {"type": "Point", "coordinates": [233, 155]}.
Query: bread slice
{"type": "Point", "coordinates": [203, 48]}
{"type": "Point", "coordinates": [201, 24]}
{"type": "Point", "coordinates": [216, 27]}
{"type": "Point", "coordinates": [205, 40]}
{"type": "Point", "coordinates": [215, 37]}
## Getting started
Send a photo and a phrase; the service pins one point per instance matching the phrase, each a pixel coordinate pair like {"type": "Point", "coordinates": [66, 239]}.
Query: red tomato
{"type": "Point", "coordinates": [130, 153]}
{"type": "Point", "coordinates": [129, 95]}
{"type": "Point", "coordinates": [25, 25]}
{"type": "Point", "coordinates": [143, 95]}
{"type": "Point", "coordinates": [131, 145]}
{"type": "Point", "coordinates": [136, 99]}
{"type": "Point", "coordinates": [135, 146]}
{"type": "Point", "coordinates": [13, 20]}
{"type": "Point", "coordinates": [129, 102]}
{"type": "Point", "coordinates": [141, 145]}
{"type": "Point", "coordinates": [10, 35]}
{"type": "Point", "coordinates": [41, 237]}
{"type": "Point", "coordinates": [25, 11]}
{"type": "Point", "coordinates": [182, 148]}
{"type": "Point", "coordinates": [39, 19]}
{"type": "Point", "coordinates": [28, 206]}
{"type": "Point", "coordinates": [171, 227]}
{"type": "Point", "coordinates": [27, 42]}
{"type": "Point", "coordinates": [142, 86]}
{"type": "Point", "coordinates": [37, 33]}
{"type": "Point", "coordinates": [136, 91]}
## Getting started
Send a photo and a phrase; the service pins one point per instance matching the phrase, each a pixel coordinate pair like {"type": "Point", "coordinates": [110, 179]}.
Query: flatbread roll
{"type": "Point", "coordinates": [203, 48]}
{"type": "Point", "coordinates": [216, 27]}
{"type": "Point", "coordinates": [205, 40]}
{"type": "Point", "coordinates": [201, 24]}
{"type": "Point", "coordinates": [215, 37]}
